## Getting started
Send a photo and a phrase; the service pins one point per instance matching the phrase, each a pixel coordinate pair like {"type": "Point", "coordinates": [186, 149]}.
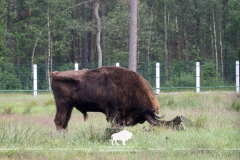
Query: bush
{"type": "Point", "coordinates": [8, 110]}
{"type": "Point", "coordinates": [8, 80]}
{"type": "Point", "coordinates": [235, 105]}
{"type": "Point", "coordinates": [185, 80]}
{"type": "Point", "coordinates": [49, 102]}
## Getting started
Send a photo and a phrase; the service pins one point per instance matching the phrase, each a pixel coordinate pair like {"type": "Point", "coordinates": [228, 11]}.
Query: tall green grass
{"type": "Point", "coordinates": [215, 134]}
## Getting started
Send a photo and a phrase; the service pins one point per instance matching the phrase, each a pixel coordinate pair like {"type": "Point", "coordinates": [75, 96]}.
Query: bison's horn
{"type": "Point", "coordinates": [157, 116]}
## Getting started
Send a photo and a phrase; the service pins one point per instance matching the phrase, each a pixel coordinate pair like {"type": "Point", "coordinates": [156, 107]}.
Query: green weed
{"type": "Point", "coordinates": [8, 110]}
{"type": "Point", "coordinates": [201, 122]}
{"type": "Point", "coordinates": [235, 105]}
{"type": "Point", "coordinates": [49, 102]}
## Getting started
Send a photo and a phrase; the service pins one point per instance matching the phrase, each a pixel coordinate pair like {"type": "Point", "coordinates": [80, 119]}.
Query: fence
{"type": "Point", "coordinates": [177, 76]}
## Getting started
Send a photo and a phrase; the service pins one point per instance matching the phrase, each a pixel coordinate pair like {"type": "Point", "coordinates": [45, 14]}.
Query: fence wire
{"type": "Point", "coordinates": [174, 76]}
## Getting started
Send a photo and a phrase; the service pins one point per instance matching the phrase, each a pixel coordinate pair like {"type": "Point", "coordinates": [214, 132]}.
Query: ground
{"type": "Point", "coordinates": [27, 130]}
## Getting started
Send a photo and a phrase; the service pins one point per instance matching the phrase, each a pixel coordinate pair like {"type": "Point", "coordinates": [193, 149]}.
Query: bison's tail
{"type": "Point", "coordinates": [64, 76]}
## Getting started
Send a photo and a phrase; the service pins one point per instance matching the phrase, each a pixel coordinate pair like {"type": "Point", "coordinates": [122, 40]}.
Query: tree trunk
{"type": "Point", "coordinates": [30, 15]}
{"type": "Point", "coordinates": [103, 33]}
{"type": "Point", "coordinates": [185, 37]}
{"type": "Point", "coordinates": [198, 27]}
{"type": "Point", "coordinates": [221, 48]}
{"type": "Point", "coordinates": [178, 42]}
{"type": "Point", "coordinates": [133, 36]}
{"type": "Point", "coordinates": [215, 44]}
{"type": "Point", "coordinates": [225, 15]}
{"type": "Point", "coordinates": [212, 48]}
{"type": "Point", "coordinates": [49, 49]}
{"type": "Point", "coordinates": [55, 49]}
{"type": "Point", "coordinates": [84, 41]}
{"type": "Point", "coordinates": [9, 29]}
{"type": "Point", "coordinates": [98, 34]}
{"type": "Point", "coordinates": [73, 50]}
{"type": "Point", "coordinates": [166, 40]}
{"type": "Point", "coordinates": [91, 40]}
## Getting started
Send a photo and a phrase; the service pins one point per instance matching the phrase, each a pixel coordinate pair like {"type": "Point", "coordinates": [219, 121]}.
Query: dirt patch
{"type": "Point", "coordinates": [48, 121]}
{"type": "Point", "coordinates": [29, 119]}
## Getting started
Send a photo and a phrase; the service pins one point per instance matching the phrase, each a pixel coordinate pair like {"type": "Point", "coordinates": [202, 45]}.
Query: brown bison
{"type": "Point", "coordinates": [124, 96]}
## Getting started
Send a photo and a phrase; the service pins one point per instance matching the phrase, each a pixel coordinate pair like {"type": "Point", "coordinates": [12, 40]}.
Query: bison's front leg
{"type": "Point", "coordinates": [124, 142]}
{"type": "Point", "coordinates": [63, 115]}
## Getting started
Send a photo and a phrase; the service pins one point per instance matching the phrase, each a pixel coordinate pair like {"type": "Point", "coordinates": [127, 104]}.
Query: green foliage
{"type": "Point", "coordinates": [49, 102]}
{"type": "Point", "coordinates": [189, 38]}
{"type": "Point", "coordinates": [208, 70]}
{"type": "Point", "coordinates": [236, 105]}
{"type": "Point", "coordinates": [232, 30]}
{"type": "Point", "coordinates": [211, 77]}
{"type": "Point", "coordinates": [8, 110]}
{"type": "Point", "coordinates": [185, 80]}
{"type": "Point", "coordinates": [27, 110]}
{"type": "Point", "coordinates": [118, 34]}
{"type": "Point", "coordinates": [8, 78]}
{"type": "Point", "coordinates": [201, 122]}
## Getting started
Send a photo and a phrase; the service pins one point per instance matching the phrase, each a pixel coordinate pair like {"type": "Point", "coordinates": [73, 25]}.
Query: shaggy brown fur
{"type": "Point", "coordinates": [122, 95]}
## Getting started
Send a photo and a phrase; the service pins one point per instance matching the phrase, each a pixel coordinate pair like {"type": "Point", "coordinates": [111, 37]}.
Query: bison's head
{"type": "Point", "coordinates": [152, 118]}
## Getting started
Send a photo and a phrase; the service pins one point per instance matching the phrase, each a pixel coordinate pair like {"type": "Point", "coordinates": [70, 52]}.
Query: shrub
{"type": "Point", "coordinates": [235, 105]}
{"type": "Point", "coordinates": [29, 107]}
{"type": "Point", "coordinates": [8, 110]}
{"type": "Point", "coordinates": [49, 102]}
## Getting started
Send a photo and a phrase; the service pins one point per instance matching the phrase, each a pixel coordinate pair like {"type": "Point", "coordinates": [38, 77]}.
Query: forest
{"type": "Point", "coordinates": [174, 32]}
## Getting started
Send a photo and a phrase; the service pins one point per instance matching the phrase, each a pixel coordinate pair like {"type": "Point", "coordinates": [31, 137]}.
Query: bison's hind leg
{"type": "Point", "coordinates": [112, 142]}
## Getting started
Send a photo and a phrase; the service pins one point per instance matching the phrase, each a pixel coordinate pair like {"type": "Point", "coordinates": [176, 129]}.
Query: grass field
{"type": "Point", "coordinates": [27, 130]}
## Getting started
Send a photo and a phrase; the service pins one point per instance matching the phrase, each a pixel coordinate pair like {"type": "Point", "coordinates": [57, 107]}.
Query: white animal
{"type": "Point", "coordinates": [121, 136]}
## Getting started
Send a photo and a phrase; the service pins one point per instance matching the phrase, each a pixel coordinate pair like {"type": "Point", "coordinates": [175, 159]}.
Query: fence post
{"type": "Point", "coordinates": [76, 66]}
{"type": "Point", "coordinates": [117, 64]}
{"type": "Point", "coordinates": [34, 80]}
{"type": "Point", "coordinates": [237, 76]}
{"type": "Point", "coordinates": [157, 78]}
{"type": "Point", "coordinates": [197, 77]}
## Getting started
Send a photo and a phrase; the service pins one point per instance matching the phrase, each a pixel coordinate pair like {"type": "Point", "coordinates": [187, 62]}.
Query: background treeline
{"type": "Point", "coordinates": [175, 32]}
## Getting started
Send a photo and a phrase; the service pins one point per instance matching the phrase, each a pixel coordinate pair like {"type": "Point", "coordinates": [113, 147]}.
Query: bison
{"type": "Point", "coordinates": [124, 96]}
{"type": "Point", "coordinates": [121, 136]}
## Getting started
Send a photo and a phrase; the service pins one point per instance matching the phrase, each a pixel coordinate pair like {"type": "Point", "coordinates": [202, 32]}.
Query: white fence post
{"type": "Point", "coordinates": [117, 64]}
{"type": "Point", "coordinates": [76, 66]}
{"type": "Point", "coordinates": [237, 76]}
{"type": "Point", "coordinates": [34, 80]}
{"type": "Point", "coordinates": [157, 78]}
{"type": "Point", "coordinates": [197, 77]}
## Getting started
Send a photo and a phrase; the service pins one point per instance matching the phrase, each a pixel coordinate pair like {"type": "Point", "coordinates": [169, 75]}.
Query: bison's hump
{"type": "Point", "coordinates": [71, 75]}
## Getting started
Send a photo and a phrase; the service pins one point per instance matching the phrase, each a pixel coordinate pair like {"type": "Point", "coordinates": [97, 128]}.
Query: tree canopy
{"type": "Point", "coordinates": [168, 30]}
